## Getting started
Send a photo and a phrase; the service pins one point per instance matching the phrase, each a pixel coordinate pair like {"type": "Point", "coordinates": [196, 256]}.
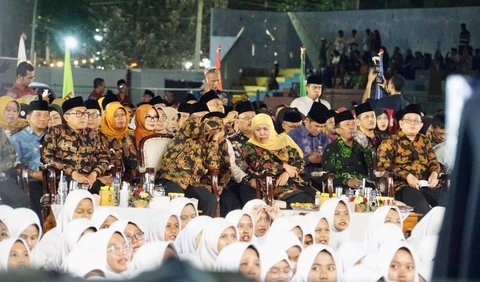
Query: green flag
{"type": "Point", "coordinates": [302, 72]}
{"type": "Point", "coordinates": [67, 76]}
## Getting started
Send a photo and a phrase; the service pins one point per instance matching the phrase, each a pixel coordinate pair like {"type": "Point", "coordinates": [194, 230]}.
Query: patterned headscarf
{"type": "Point", "coordinates": [4, 100]}
{"type": "Point", "coordinates": [108, 122]}
{"type": "Point", "coordinates": [140, 130]}
{"type": "Point", "coordinates": [275, 141]}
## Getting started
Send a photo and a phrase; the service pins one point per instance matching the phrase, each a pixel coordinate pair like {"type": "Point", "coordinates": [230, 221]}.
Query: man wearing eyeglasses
{"type": "Point", "coordinates": [94, 114]}
{"type": "Point", "coordinates": [76, 149]}
{"type": "Point", "coordinates": [410, 157]}
{"type": "Point", "coordinates": [25, 76]}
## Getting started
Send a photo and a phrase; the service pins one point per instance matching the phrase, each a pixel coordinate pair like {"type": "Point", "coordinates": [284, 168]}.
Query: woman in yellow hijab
{"type": "Point", "coordinates": [279, 155]}
{"type": "Point", "coordinates": [119, 139]}
{"type": "Point", "coordinates": [9, 113]}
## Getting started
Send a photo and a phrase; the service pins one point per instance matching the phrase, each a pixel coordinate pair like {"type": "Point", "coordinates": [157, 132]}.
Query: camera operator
{"type": "Point", "coordinates": [393, 86]}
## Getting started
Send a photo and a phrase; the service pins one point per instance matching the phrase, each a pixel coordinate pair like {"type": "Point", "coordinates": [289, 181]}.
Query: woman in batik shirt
{"type": "Point", "coordinates": [279, 155]}
{"type": "Point", "coordinates": [119, 140]}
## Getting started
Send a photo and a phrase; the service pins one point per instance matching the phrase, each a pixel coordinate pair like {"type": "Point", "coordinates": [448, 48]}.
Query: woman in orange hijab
{"type": "Point", "coordinates": [9, 112]}
{"type": "Point", "coordinates": [279, 155]}
{"type": "Point", "coordinates": [119, 139]}
{"type": "Point", "coordinates": [146, 118]}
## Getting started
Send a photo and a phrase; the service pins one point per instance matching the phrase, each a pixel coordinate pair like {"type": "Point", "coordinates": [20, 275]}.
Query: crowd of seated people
{"type": "Point", "coordinates": [94, 140]}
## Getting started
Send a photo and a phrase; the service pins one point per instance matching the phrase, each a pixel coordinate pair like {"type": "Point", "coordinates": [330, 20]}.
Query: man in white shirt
{"type": "Point", "coordinates": [314, 91]}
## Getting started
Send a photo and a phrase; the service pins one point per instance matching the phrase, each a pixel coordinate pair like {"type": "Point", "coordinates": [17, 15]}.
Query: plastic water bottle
{"type": "Point", "coordinates": [159, 190]}
{"type": "Point", "coordinates": [360, 138]}
{"type": "Point", "coordinates": [318, 195]}
{"type": "Point", "coordinates": [116, 189]}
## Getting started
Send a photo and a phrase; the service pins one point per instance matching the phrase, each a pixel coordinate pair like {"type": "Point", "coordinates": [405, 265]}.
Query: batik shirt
{"type": "Point", "coordinates": [261, 161]}
{"type": "Point", "coordinates": [309, 145]}
{"type": "Point", "coordinates": [122, 152]}
{"type": "Point", "coordinates": [7, 153]}
{"type": "Point", "coordinates": [347, 162]}
{"type": "Point", "coordinates": [400, 155]}
{"type": "Point", "coordinates": [73, 151]}
{"type": "Point", "coordinates": [189, 156]}
{"type": "Point", "coordinates": [238, 141]}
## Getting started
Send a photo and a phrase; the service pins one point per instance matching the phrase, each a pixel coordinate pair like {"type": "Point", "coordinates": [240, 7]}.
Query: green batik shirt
{"type": "Point", "coordinates": [347, 162]}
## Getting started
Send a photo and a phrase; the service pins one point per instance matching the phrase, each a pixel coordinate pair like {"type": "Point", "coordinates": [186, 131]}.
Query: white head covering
{"type": "Point", "coordinates": [313, 219]}
{"type": "Point", "coordinates": [385, 234]}
{"type": "Point", "coordinates": [388, 251]}
{"type": "Point", "coordinates": [377, 218]}
{"type": "Point", "coordinates": [71, 236]}
{"type": "Point", "coordinates": [208, 248]}
{"type": "Point", "coordinates": [91, 254]}
{"type": "Point", "coordinates": [20, 219]}
{"type": "Point", "coordinates": [176, 206]}
{"type": "Point", "coordinates": [361, 273]}
{"type": "Point", "coordinates": [229, 258]}
{"type": "Point", "coordinates": [234, 216]}
{"type": "Point", "coordinates": [5, 248]}
{"type": "Point", "coordinates": [158, 225]}
{"type": "Point", "coordinates": [284, 224]}
{"type": "Point", "coordinates": [121, 224]}
{"type": "Point", "coordinates": [430, 224]}
{"type": "Point", "coordinates": [426, 252]}
{"type": "Point", "coordinates": [101, 214]}
{"type": "Point", "coordinates": [349, 254]}
{"type": "Point", "coordinates": [269, 256]}
{"type": "Point", "coordinates": [149, 257]}
{"type": "Point", "coordinates": [4, 212]}
{"type": "Point", "coordinates": [185, 242]}
{"type": "Point", "coordinates": [282, 240]}
{"type": "Point", "coordinates": [306, 259]}
{"type": "Point", "coordinates": [71, 203]}
{"type": "Point", "coordinates": [327, 210]}
{"type": "Point", "coordinates": [252, 207]}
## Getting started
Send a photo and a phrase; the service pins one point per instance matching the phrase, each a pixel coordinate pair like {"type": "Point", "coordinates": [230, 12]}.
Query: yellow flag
{"type": "Point", "coordinates": [67, 76]}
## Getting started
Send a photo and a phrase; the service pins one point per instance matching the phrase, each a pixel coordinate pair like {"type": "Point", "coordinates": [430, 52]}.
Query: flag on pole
{"type": "Point", "coordinates": [303, 92]}
{"type": "Point", "coordinates": [67, 76]}
{"type": "Point", "coordinates": [379, 93]}
{"type": "Point", "coordinates": [217, 65]}
{"type": "Point", "coordinates": [22, 53]}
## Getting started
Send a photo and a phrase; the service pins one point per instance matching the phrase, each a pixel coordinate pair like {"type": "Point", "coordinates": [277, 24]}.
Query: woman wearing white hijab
{"type": "Point", "coordinates": [71, 235]}
{"type": "Point", "coordinates": [150, 257]}
{"type": "Point", "coordinates": [103, 217]}
{"type": "Point", "coordinates": [429, 225]}
{"type": "Point", "coordinates": [133, 233]}
{"type": "Point", "coordinates": [78, 204]}
{"type": "Point", "coordinates": [240, 257]}
{"type": "Point", "coordinates": [318, 263]}
{"type": "Point", "coordinates": [104, 253]}
{"type": "Point", "coordinates": [14, 255]}
{"type": "Point", "coordinates": [398, 262]}
{"type": "Point", "coordinates": [385, 234]}
{"type": "Point", "coordinates": [244, 223]}
{"type": "Point", "coordinates": [24, 223]}
{"type": "Point", "coordinates": [4, 212]}
{"type": "Point", "coordinates": [262, 216]}
{"type": "Point", "coordinates": [188, 239]}
{"type": "Point", "coordinates": [350, 254]}
{"type": "Point", "coordinates": [286, 242]}
{"type": "Point", "coordinates": [382, 215]}
{"type": "Point", "coordinates": [337, 213]}
{"type": "Point", "coordinates": [426, 254]}
{"type": "Point", "coordinates": [319, 227]}
{"type": "Point", "coordinates": [286, 223]}
{"type": "Point", "coordinates": [164, 227]}
{"type": "Point", "coordinates": [184, 209]}
{"type": "Point", "coordinates": [274, 265]}
{"type": "Point", "coordinates": [218, 234]}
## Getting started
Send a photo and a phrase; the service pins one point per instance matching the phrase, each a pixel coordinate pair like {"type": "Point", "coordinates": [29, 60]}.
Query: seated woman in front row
{"type": "Point", "coordinates": [279, 155]}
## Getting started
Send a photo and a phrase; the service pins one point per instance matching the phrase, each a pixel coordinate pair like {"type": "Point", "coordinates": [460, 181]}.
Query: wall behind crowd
{"type": "Point", "coordinates": [424, 30]}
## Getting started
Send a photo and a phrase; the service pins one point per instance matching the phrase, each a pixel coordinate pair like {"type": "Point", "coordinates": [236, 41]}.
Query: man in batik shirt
{"type": "Point", "coordinates": [76, 149]}
{"type": "Point", "coordinates": [348, 160]}
{"type": "Point", "coordinates": [409, 155]}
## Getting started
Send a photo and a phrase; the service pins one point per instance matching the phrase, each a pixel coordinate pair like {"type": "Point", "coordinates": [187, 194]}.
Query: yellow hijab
{"type": "Point", "coordinates": [4, 100]}
{"type": "Point", "coordinates": [275, 141]}
{"type": "Point", "coordinates": [108, 121]}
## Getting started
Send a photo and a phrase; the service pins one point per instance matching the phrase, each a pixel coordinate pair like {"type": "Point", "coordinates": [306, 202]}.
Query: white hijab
{"type": "Point", "coordinates": [307, 257]}
{"type": "Point", "coordinates": [349, 254]}
{"type": "Point", "coordinates": [327, 210]}
{"type": "Point", "coordinates": [230, 257]}
{"type": "Point", "coordinates": [121, 224]}
{"type": "Point", "coordinates": [385, 234]}
{"type": "Point", "coordinates": [5, 248]}
{"type": "Point", "coordinates": [269, 256]}
{"type": "Point", "coordinates": [377, 219]}
{"type": "Point", "coordinates": [313, 219]}
{"type": "Point", "coordinates": [283, 224]}
{"type": "Point", "coordinates": [386, 254]}
{"type": "Point", "coordinates": [20, 219]}
{"type": "Point", "coordinates": [252, 207]}
{"type": "Point", "coordinates": [4, 212]}
{"type": "Point", "coordinates": [91, 254]}
{"type": "Point", "coordinates": [429, 225]}
{"type": "Point", "coordinates": [158, 225]}
{"type": "Point", "coordinates": [149, 257]}
{"type": "Point", "coordinates": [185, 242]}
{"type": "Point", "coordinates": [101, 214]}
{"type": "Point", "coordinates": [361, 273]}
{"type": "Point", "coordinates": [282, 240]}
{"type": "Point", "coordinates": [176, 206]}
{"type": "Point", "coordinates": [426, 252]}
{"type": "Point", "coordinates": [71, 203]}
{"type": "Point", "coordinates": [71, 236]}
{"type": "Point", "coordinates": [208, 248]}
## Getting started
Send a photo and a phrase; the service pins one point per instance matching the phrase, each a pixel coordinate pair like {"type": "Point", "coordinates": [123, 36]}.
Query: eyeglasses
{"type": "Point", "coordinates": [247, 118]}
{"type": "Point", "coordinates": [139, 236]}
{"type": "Point", "coordinates": [278, 271]}
{"type": "Point", "coordinates": [117, 249]}
{"type": "Point", "coordinates": [412, 121]}
{"type": "Point", "coordinates": [93, 115]}
{"type": "Point", "coordinates": [78, 114]}
{"type": "Point", "coordinates": [151, 118]}
{"type": "Point", "coordinates": [232, 236]}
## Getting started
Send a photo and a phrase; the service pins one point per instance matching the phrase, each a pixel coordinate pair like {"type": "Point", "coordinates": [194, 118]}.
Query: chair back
{"type": "Point", "coordinates": [152, 149]}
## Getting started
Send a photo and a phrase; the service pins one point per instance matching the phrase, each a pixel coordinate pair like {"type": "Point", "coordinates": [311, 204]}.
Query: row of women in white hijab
{"type": "Point", "coordinates": [257, 241]}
